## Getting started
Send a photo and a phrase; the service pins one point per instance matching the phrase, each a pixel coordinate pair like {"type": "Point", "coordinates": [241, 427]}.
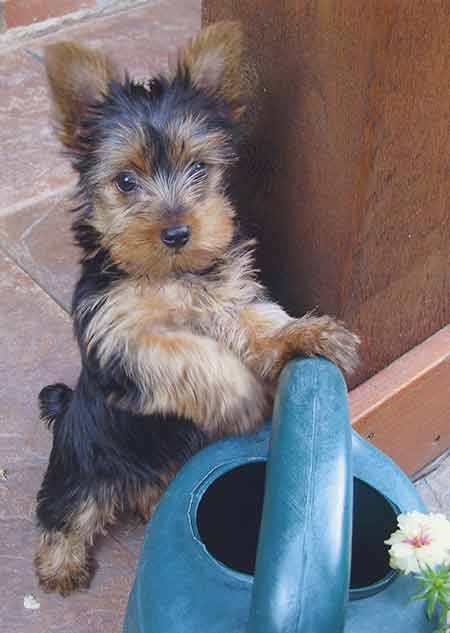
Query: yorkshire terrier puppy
{"type": "Point", "coordinates": [180, 344]}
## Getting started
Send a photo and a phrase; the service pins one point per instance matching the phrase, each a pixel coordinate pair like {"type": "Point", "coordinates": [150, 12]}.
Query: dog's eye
{"type": "Point", "coordinates": [125, 182]}
{"type": "Point", "coordinates": [198, 168]}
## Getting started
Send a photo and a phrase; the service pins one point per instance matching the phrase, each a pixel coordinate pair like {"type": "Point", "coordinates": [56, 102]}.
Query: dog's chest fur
{"type": "Point", "coordinates": [204, 305]}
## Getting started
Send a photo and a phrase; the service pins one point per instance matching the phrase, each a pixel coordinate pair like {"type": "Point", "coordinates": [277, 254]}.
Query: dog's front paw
{"type": "Point", "coordinates": [322, 336]}
{"type": "Point", "coordinates": [62, 564]}
{"type": "Point", "coordinates": [339, 344]}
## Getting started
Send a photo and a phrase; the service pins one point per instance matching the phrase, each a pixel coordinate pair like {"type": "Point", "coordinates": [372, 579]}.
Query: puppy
{"type": "Point", "coordinates": [180, 344]}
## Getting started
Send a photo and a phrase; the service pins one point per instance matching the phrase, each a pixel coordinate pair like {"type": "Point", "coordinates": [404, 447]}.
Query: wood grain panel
{"type": "Point", "coordinates": [405, 409]}
{"type": "Point", "coordinates": [345, 174]}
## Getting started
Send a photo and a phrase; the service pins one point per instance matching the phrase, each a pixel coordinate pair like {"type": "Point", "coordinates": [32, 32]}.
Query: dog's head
{"type": "Point", "coordinates": [153, 158]}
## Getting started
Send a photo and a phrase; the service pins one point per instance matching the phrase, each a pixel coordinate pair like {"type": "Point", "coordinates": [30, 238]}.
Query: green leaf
{"type": "Point", "coordinates": [434, 589]}
{"type": "Point", "coordinates": [441, 629]}
{"type": "Point", "coordinates": [443, 618]}
{"type": "Point", "coordinates": [431, 604]}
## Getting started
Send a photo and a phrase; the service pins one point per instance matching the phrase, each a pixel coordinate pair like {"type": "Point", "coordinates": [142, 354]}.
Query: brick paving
{"type": "Point", "coordinates": [38, 268]}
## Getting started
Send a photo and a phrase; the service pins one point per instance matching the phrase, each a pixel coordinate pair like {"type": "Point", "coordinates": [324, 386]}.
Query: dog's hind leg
{"type": "Point", "coordinates": [63, 561]}
{"type": "Point", "coordinates": [77, 499]}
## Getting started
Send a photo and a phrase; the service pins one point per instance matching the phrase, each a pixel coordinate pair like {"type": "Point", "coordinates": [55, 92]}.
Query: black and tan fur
{"type": "Point", "coordinates": [179, 346]}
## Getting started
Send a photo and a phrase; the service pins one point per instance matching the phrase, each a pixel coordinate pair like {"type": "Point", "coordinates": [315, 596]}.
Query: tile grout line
{"type": "Point", "coordinates": [5, 250]}
{"type": "Point", "coordinates": [25, 35]}
{"type": "Point", "coordinates": [432, 467]}
{"type": "Point", "coordinates": [434, 494]}
{"type": "Point", "coordinates": [62, 192]}
{"type": "Point", "coordinates": [27, 232]}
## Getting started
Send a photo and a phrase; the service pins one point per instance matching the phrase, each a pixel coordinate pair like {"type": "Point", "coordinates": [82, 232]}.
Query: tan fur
{"type": "Point", "coordinates": [143, 501]}
{"type": "Point", "coordinates": [210, 349]}
{"type": "Point", "coordinates": [262, 322]}
{"type": "Point", "coordinates": [188, 140]}
{"type": "Point", "coordinates": [196, 377]}
{"type": "Point", "coordinates": [137, 157]}
{"type": "Point", "coordinates": [133, 239]}
{"type": "Point", "coordinates": [180, 370]}
{"type": "Point", "coordinates": [130, 149]}
{"type": "Point", "coordinates": [213, 59]}
{"type": "Point", "coordinates": [130, 224]}
{"type": "Point", "coordinates": [274, 339]}
{"type": "Point", "coordinates": [62, 562]}
{"type": "Point", "coordinates": [92, 518]}
{"type": "Point", "coordinates": [77, 77]}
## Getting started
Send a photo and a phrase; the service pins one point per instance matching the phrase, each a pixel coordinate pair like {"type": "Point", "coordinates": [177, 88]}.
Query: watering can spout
{"type": "Point", "coordinates": [302, 572]}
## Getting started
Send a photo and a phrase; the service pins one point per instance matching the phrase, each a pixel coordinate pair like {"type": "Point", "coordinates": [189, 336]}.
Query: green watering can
{"type": "Point", "coordinates": [283, 531]}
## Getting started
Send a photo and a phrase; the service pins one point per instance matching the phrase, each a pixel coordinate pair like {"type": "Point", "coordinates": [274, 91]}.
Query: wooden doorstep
{"type": "Point", "coordinates": [405, 408]}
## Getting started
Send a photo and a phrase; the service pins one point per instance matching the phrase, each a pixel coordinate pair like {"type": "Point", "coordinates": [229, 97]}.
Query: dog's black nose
{"type": "Point", "coordinates": [175, 236]}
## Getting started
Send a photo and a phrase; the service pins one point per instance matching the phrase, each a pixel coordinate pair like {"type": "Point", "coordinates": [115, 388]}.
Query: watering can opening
{"type": "Point", "coordinates": [374, 520]}
{"type": "Point", "coordinates": [229, 515]}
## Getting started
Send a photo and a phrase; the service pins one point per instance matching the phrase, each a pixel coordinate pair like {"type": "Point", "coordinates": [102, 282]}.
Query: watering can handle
{"type": "Point", "coordinates": [302, 570]}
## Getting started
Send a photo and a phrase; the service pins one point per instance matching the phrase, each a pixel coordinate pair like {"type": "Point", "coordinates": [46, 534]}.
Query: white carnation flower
{"type": "Point", "coordinates": [422, 539]}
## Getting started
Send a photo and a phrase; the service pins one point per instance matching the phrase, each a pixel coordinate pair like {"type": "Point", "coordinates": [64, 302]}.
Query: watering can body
{"type": "Point", "coordinates": [280, 532]}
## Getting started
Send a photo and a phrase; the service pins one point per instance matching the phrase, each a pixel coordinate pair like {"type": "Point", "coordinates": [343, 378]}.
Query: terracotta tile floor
{"type": "Point", "coordinates": [37, 272]}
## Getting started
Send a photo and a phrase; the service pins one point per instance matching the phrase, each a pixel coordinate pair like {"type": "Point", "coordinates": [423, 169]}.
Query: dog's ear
{"type": "Point", "coordinates": [213, 62]}
{"type": "Point", "coordinates": [78, 77]}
